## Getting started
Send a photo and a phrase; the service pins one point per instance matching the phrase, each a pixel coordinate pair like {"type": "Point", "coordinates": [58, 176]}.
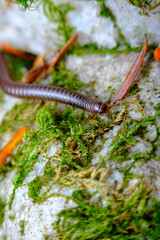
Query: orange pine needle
{"type": "Point", "coordinates": [12, 144]}
{"type": "Point", "coordinates": [33, 74]}
{"type": "Point", "coordinates": [9, 3]}
{"type": "Point", "coordinates": [131, 74]}
{"type": "Point", "coordinates": [157, 54]}
{"type": "Point", "coordinates": [61, 53]}
{"type": "Point", "coordinates": [6, 48]}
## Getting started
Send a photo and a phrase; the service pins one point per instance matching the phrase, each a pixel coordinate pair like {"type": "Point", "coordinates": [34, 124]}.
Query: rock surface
{"type": "Point", "coordinates": [31, 31]}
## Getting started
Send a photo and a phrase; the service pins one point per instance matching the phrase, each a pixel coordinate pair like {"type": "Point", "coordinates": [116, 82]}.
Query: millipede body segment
{"type": "Point", "coordinates": [46, 92]}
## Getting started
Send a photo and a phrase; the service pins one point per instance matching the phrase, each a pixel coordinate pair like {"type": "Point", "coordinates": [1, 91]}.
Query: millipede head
{"type": "Point", "coordinates": [104, 109]}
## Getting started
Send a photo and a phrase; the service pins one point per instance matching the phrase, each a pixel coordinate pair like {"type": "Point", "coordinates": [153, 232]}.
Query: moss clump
{"type": "Point", "coordinates": [94, 49]}
{"type": "Point", "coordinates": [2, 211]}
{"type": "Point", "coordinates": [16, 66]}
{"type": "Point", "coordinates": [22, 225]}
{"type": "Point", "coordinates": [126, 216]}
{"type": "Point", "coordinates": [145, 5]}
{"type": "Point", "coordinates": [20, 115]}
{"type": "Point", "coordinates": [57, 13]}
{"type": "Point", "coordinates": [139, 3]}
{"type": "Point", "coordinates": [106, 12]}
{"type": "Point", "coordinates": [1, 97]}
{"type": "Point", "coordinates": [126, 138]}
{"type": "Point", "coordinates": [77, 147]}
{"type": "Point", "coordinates": [11, 217]}
{"type": "Point", "coordinates": [35, 187]}
{"type": "Point", "coordinates": [77, 141]}
{"type": "Point", "coordinates": [27, 4]}
{"type": "Point", "coordinates": [134, 89]}
{"type": "Point", "coordinates": [63, 77]}
{"type": "Point", "coordinates": [157, 107]}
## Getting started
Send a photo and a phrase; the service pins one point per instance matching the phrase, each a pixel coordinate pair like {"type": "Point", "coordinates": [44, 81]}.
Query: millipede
{"type": "Point", "coordinates": [66, 96]}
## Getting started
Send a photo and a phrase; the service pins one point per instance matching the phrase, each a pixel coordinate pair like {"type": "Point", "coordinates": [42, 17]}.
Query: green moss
{"type": "Point", "coordinates": [145, 5]}
{"type": "Point", "coordinates": [20, 115]}
{"type": "Point", "coordinates": [1, 97]}
{"type": "Point", "coordinates": [141, 3]}
{"type": "Point", "coordinates": [93, 49]}
{"type": "Point", "coordinates": [36, 185]}
{"type": "Point", "coordinates": [157, 107]}
{"type": "Point", "coordinates": [135, 2]}
{"type": "Point", "coordinates": [38, 182]}
{"type": "Point", "coordinates": [134, 89]}
{"type": "Point", "coordinates": [127, 138]}
{"type": "Point", "coordinates": [67, 127]}
{"type": "Point", "coordinates": [11, 217]}
{"type": "Point", "coordinates": [22, 225]}
{"type": "Point", "coordinates": [16, 66]}
{"type": "Point", "coordinates": [141, 101]}
{"type": "Point", "coordinates": [26, 157]}
{"type": "Point", "coordinates": [2, 211]}
{"type": "Point", "coordinates": [63, 77]}
{"type": "Point", "coordinates": [127, 216]}
{"type": "Point", "coordinates": [46, 237]}
{"type": "Point", "coordinates": [105, 11]}
{"type": "Point", "coordinates": [57, 13]}
{"type": "Point", "coordinates": [77, 135]}
{"type": "Point", "coordinates": [34, 188]}
{"type": "Point", "coordinates": [27, 4]}
{"type": "Point", "coordinates": [122, 45]}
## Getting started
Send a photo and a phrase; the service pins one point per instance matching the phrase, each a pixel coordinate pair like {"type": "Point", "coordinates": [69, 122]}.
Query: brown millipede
{"type": "Point", "coordinates": [58, 94]}
{"type": "Point", "coordinates": [65, 95]}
